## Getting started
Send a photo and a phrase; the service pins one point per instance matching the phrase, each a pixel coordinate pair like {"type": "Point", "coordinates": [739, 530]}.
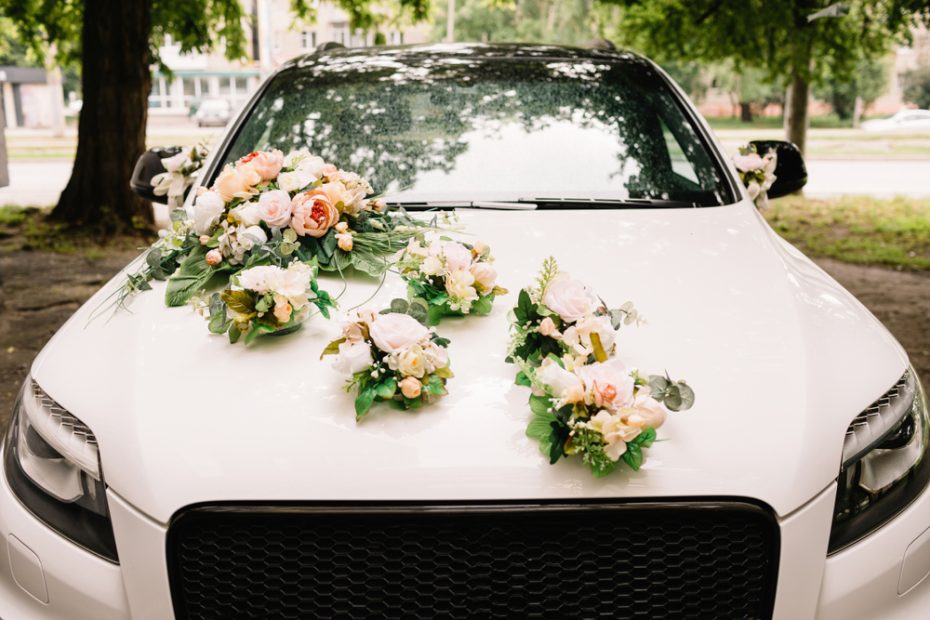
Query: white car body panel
{"type": "Point", "coordinates": [780, 356]}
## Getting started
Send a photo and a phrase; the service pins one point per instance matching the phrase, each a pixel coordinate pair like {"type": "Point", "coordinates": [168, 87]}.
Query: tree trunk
{"type": "Point", "coordinates": [745, 112]}
{"type": "Point", "coordinates": [796, 110]}
{"type": "Point", "coordinates": [116, 81]}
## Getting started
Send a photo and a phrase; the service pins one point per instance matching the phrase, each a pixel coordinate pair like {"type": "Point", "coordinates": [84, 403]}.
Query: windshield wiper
{"type": "Point", "coordinates": [448, 205]}
{"type": "Point", "coordinates": [610, 203]}
{"type": "Point", "coordinates": [528, 204]}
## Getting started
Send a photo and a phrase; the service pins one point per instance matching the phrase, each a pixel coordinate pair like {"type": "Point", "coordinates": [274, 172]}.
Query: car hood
{"type": "Point", "coordinates": [780, 356]}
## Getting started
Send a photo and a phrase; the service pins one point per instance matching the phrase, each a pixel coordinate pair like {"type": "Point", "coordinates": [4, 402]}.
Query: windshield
{"type": "Point", "coordinates": [454, 127]}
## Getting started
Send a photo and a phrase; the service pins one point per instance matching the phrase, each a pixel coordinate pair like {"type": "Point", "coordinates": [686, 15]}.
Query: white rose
{"type": "Point", "coordinates": [247, 214]}
{"type": "Point", "coordinates": [260, 279]}
{"type": "Point", "coordinates": [353, 358]}
{"type": "Point", "coordinates": [294, 181]}
{"type": "Point", "coordinates": [455, 255]}
{"type": "Point", "coordinates": [431, 266]}
{"type": "Point", "coordinates": [274, 208]}
{"type": "Point", "coordinates": [485, 276]}
{"type": "Point", "coordinates": [173, 163]}
{"type": "Point", "coordinates": [394, 332]}
{"type": "Point", "coordinates": [295, 157]}
{"type": "Point", "coordinates": [251, 236]}
{"type": "Point", "coordinates": [208, 207]}
{"type": "Point", "coordinates": [563, 384]}
{"type": "Point", "coordinates": [607, 384]}
{"type": "Point", "coordinates": [410, 362]}
{"type": "Point", "coordinates": [568, 298]}
{"type": "Point", "coordinates": [294, 282]}
{"type": "Point", "coordinates": [312, 166]}
{"type": "Point", "coordinates": [436, 356]}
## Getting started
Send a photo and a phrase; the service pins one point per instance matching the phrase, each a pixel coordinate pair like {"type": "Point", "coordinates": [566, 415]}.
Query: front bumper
{"type": "Point", "coordinates": [45, 577]}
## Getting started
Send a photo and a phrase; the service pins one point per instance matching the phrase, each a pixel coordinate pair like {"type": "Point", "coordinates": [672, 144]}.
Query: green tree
{"type": "Point", "coordinates": [564, 22]}
{"type": "Point", "coordinates": [779, 38]}
{"type": "Point", "coordinates": [115, 44]}
{"type": "Point", "coordinates": [916, 84]}
{"type": "Point", "coordinates": [867, 83]}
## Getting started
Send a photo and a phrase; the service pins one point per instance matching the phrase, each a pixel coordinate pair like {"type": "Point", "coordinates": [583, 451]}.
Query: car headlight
{"type": "Point", "coordinates": [53, 467]}
{"type": "Point", "coordinates": [885, 464]}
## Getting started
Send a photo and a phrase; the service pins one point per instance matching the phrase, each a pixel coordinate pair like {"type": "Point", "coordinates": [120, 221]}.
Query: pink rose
{"type": "Point", "coordinates": [236, 183]}
{"type": "Point", "coordinates": [313, 214]}
{"type": "Point", "coordinates": [568, 298]}
{"type": "Point", "coordinates": [456, 255]}
{"type": "Point", "coordinates": [394, 332]}
{"type": "Point", "coordinates": [274, 208]}
{"type": "Point", "coordinates": [267, 164]}
{"type": "Point", "coordinates": [607, 384]}
{"type": "Point", "coordinates": [485, 276]}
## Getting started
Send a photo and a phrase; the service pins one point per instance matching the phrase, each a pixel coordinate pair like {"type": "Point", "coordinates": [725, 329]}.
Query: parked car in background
{"type": "Point", "coordinates": [903, 120]}
{"type": "Point", "coordinates": [154, 471]}
{"type": "Point", "coordinates": [213, 112]}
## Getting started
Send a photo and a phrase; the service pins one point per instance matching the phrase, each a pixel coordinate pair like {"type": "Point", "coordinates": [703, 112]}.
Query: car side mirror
{"type": "Point", "coordinates": [148, 165]}
{"type": "Point", "coordinates": [790, 171]}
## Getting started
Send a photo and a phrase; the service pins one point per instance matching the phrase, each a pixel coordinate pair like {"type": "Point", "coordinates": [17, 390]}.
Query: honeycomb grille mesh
{"type": "Point", "coordinates": [592, 563]}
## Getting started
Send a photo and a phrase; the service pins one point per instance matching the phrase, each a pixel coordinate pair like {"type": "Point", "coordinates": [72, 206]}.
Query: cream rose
{"type": "Point", "coordinates": [485, 276]}
{"type": "Point", "coordinates": [208, 207]}
{"type": "Point", "coordinates": [247, 214]}
{"type": "Point", "coordinates": [236, 183]}
{"type": "Point", "coordinates": [267, 164]}
{"type": "Point", "coordinates": [645, 412]}
{"type": "Point", "coordinates": [410, 387]}
{"type": "Point", "coordinates": [616, 433]}
{"type": "Point", "coordinates": [409, 362]}
{"type": "Point", "coordinates": [568, 298]}
{"type": "Point", "coordinates": [547, 327]}
{"type": "Point", "coordinates": [313, 214]}
{"type": "Point", "coordinates": [607, 384]}
{"type": "Point", "coordinates": [394, 332]}
{"type": "Point", "coordinates": [294, 181]}
{"type": "Point", "coordinates": [274, 208]}
{"type": "Point", "coordinates": [353, 358]}
{"type": "Point", "coordinates": [436, 356]}
{"type": "Point", "coordinates": [459, 286]}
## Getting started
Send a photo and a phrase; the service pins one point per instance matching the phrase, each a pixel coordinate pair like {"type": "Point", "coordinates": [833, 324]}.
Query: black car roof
{"type": "Point", "coordinates": [414, 54]}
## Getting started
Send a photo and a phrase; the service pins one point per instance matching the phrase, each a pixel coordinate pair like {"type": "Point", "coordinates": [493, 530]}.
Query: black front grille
{"type": "Point", "coordinates": [631, 560]}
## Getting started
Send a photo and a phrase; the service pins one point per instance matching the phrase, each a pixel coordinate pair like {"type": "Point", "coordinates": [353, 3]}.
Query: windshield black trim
{"type": "Point", "coordinates": [678, 97]}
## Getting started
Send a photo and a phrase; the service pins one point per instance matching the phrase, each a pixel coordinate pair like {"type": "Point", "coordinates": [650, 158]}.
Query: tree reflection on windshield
{"type": "Point", "coordinates": [462, 123]}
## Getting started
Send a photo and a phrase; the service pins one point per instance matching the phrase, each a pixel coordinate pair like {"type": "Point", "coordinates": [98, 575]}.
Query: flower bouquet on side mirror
{"type": "Point", "coordinates": [584, 400]}
{"type": "Point", "coordinates": [391, 357]}
{"type": "Point", "coordinates": [757, 172]}
{"type": "Point", "coordinates": [450, 278]}
{"type": "Point", "coordinates": [266, 300]}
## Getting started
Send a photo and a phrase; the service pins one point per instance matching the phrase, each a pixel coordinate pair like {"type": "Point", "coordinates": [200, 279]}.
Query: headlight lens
{"type": "Point", "coordinates": [885, 464]}
{"type": "Point", "coordinates": [53, 467]}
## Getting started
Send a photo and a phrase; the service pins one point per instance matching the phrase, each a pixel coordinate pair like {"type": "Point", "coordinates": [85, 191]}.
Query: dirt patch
{"type": "Point", "coordinates": [39, 290]}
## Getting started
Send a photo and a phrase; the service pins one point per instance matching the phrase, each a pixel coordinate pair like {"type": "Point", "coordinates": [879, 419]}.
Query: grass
{"type": "Point", "coordinates": [827, 121]}
{"type": "Point", "coordinates": [857, 229]}
{"type": "Point", "coordinates": [29, 229]}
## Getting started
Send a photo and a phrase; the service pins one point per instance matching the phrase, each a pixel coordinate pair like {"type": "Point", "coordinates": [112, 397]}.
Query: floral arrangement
{"type": "Point", "coordinates": [584, 400]}
{"type": "Point", "coordinates": [757, 172]}
{"type": "Point", "coordinates": [391, 357]}
{"type": "Point", "coordinates": [450, 278]}
{"type": "Point", "coordinates": [267, 209]}
{"type": "Point", "coordinates": [179, 174]}
{"type": "Point", "coordinates": [266, 300]}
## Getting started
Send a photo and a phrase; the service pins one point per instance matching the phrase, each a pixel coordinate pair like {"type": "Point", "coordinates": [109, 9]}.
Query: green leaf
{"type": "Point", "coordinates": [523, 380]}
{"type": "Point", "coordinates": [444, 373]}
{"type": "Point", "coordinates": [645, 438]}
{"type": "Point", "coordinates": [633, 456]}
{"type": "Point", "coordinates": [219, 322]}
{"type": "Point", "coordinates": [558, 435]}
{"type": "Point", "coordinates": [234, 333]}
{"type": "Point", "coordinates": [387, 388]}
{"type": "Point", "coordinates": [240, 304]}
{"type": "Point", "coordinates": [599, 353]}
{"type": "Point", "coordinates": [540, 429]}
{"type": "Point", "coordinates": [525, 310]}
{"type": "Point", "coordinates": [363, 402]}
{"type": "Point", "coordinates": [332, 348]}
{"type": "Point", "coordinates": [540, 404]}
{"type": "Point", "coordinates": [191, 277]}
{"type": "Point", "coordinates": [482, 305]}
{"type": "Point", "coordinates": [435, 385]}
{"type": "Point", "coordinates": [434, 315]}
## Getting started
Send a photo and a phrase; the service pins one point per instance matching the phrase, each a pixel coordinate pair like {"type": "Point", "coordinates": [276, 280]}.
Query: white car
{"type": "Point", "coordinates": [213, 112]}
{"type": "Point", "coordinates": [903, 120]}
{"type": "Point", "coordinates": [153, 470]}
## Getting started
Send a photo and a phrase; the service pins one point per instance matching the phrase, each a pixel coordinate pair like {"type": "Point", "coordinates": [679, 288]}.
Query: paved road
{"type": "Point", "coordinates": [39, 183]}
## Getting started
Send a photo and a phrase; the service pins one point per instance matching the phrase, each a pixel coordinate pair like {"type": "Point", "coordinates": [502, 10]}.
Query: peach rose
{"type": "Point", "coordinates": [267, 164]}
{"type": "Point", "coordinates": [233, 183]}
{"type": "Point", "coordinates": [313, 213]}
{"type": "Point", "coordinates": [410, 387]}
{"type": "Point", "coordinates": [214, 258]}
